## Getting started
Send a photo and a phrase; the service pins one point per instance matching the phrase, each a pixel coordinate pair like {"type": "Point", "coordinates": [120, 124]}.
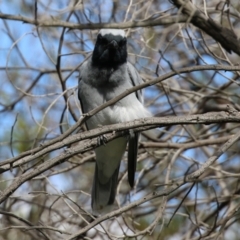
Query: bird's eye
{"type": "Point", "coordinates": [123, 42]}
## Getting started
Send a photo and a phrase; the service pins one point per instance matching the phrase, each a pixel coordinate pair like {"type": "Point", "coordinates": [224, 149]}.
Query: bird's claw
{"type": "Point", "coordinates": [102, 140]}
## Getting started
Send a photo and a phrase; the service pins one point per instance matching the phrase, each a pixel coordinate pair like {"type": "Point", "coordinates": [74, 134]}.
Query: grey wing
{"type": "Point", "coordinates": [133, 138]}
{"type": "Point", "coordinates": [80, 97]}
{"type": "Point", "coordinates": [135, 79]}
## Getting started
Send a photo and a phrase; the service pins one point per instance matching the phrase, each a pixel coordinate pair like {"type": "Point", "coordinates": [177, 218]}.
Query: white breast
{"type": "Point", "coordinates": [131, 112]}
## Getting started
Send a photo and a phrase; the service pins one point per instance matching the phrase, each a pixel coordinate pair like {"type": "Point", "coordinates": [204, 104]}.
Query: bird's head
{"type": "Point", "coordinates": [110, 48]}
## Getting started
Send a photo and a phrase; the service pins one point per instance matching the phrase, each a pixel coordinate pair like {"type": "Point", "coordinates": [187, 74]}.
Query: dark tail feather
{"type": "Point", "coordinates": [132, 157]}
{"type": "Point", "coordinates": [103, 194]}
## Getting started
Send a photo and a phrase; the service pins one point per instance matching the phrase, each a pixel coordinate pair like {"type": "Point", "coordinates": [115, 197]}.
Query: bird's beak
{"type": "Point", "coordinates": [113, 45]}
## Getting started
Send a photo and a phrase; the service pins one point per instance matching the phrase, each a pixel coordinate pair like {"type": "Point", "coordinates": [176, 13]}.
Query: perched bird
{"type": "Point", "coordinates": [102, 77]}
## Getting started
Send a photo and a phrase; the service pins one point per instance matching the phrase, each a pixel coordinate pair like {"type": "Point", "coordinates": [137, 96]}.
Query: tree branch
{"type": "Point", "coordinates": [87, 145]}
{"type": "Point", "coordinates": [52, 22]}
{"type": "Point", "coordinates": [224, 36]}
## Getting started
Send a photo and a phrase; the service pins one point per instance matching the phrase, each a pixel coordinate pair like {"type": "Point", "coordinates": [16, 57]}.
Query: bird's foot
{"type": "Point", "coordinates": [102, 140]}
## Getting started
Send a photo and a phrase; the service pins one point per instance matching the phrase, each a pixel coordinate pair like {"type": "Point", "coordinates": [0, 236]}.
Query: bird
{"type": "Point", "coordinates": [103, 76]}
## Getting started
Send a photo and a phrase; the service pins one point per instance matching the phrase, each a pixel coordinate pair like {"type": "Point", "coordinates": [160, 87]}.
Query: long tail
{"type": "Point", "coordinates": [103, 194]}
